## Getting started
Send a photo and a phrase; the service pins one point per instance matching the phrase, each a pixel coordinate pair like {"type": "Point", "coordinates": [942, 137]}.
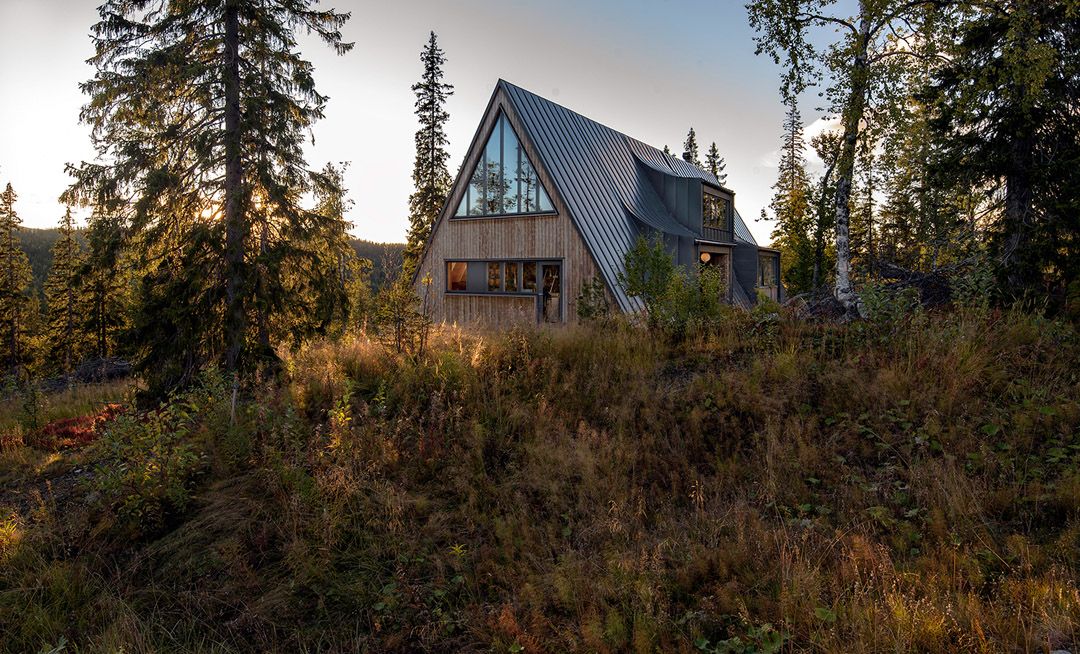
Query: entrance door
{"type": "Point", "coordinates": [551, 298]}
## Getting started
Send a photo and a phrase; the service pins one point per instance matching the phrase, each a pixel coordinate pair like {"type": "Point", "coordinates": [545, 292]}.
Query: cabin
{"type": "Point", "coordinates": [548, 200]}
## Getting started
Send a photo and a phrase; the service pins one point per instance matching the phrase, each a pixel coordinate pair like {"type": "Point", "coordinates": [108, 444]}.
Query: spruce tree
{"type": "Point", "coordinates": [16, 303]}
{"type": "Point", "coordinates": [791, 206]}
{"type": "Point", "coordinates": [105, 285]}
{"type": "Point", "coordinates": [431, 178]}
{"type": "Point", "coordinates": [690, 149]}
{"type": "Point", "coordinates": [199, 112]}
{"type": "Point", "coordinates": [1005, 111]}
{"type": "Point", "coordinates": [714, 163]}
{"type": "Point", "coordinates": [62, 299]}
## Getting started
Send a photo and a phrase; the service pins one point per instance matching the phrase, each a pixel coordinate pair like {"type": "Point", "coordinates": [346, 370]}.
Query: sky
{"type": "Point", "coordinates": [648, 68]}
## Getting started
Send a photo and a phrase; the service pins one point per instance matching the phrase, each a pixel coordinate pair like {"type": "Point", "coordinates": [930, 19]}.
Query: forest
{"type": "Point", "coordinates": [227, 424]}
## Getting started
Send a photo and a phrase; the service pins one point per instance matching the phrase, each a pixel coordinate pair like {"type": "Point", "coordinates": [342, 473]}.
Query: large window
{"type": "Point", "coordinates": [715, 210]}
{"type": "Point", "coordinates": [504, 182]}
{"type": "Point", "coordinates": [507, 277]}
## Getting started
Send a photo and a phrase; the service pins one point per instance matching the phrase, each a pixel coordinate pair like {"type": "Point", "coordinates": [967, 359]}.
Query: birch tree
{"type": "Point", "coordinates": [853, 63]}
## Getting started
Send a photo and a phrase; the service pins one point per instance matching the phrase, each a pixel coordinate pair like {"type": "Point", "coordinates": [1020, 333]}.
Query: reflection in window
{"type": "Point", "coordinates": [456, 272]}
{"type": "Point", "coordinates": [715, 210]}
{"type": "Point", "coordinates": [766, 270]}
{"type": "Point", "coordinates": [494, 282]}
{"type": "Point", "coordinates": [528, 276]}
{"type": "Point", "coordinates": [510, 277]}
{"type": "Point", "coordinates": [503, 182]}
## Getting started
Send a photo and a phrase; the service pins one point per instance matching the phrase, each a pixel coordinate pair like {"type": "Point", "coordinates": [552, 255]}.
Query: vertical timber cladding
{"type": "Point", "coordinates": [541, 237]}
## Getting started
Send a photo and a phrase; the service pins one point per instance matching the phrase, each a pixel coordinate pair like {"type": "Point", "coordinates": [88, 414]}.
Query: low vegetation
{"type": "Point", "coordinates": [910, 485]}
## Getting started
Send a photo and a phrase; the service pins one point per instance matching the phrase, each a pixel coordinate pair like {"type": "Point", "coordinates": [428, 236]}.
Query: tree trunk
{"type": "Point", "coordinates": [853, 114]}
{"type": "Point", "coordinates": [1018, 198]}
{"type": "Point", "coordinates": [235, 223]}
{"type": "Point", "coordinates": [819, 227]}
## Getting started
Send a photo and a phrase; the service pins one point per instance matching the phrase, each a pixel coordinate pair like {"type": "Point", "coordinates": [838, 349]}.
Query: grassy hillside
{"type": "Point", "coordinates": [37, 243]}
{"type": "Point", "coordinates": [773, 486]}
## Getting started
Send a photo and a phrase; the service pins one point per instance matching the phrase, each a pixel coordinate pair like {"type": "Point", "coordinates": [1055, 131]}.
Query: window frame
{"type": "Point", "coordinates": [523, 158]}
{"type": "Point", "coordinates": [729, 201]}
{"type": "Point", "coordinates": [519, 276]}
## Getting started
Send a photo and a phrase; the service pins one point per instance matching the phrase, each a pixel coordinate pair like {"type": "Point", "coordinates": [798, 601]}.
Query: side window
{"type": "Point", "coordinates": [517, 277]}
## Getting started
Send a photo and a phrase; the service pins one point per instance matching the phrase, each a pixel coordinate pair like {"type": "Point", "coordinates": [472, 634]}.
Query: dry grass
{"type": "Point", "coordinates": [914, 488]}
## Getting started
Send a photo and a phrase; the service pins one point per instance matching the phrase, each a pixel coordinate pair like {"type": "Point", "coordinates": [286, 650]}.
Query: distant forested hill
{"type": "Point", "coordinates": [385, 257]}
{"type": "Point", "coordinates": [37, 243]}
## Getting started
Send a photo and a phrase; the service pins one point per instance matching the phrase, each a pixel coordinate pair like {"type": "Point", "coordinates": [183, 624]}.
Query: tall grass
{"type": "Point", "coordinates": [775, 485]}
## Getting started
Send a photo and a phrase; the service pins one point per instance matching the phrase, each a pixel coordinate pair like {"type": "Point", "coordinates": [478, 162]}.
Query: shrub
{"type": "Point", "coordinates": [592, 301]}
{"type": "Point", "coordinates": [151, 458]}
{"type": "Point", "coordinates": [676, 301]}
{"type": "Point", "coordinates": [402, 318]}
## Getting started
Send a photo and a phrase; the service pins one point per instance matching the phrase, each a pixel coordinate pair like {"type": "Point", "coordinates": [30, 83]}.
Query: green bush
{"type": "Point", "coordinates": [150, 459]}
{"type": "Point", "coordinates": [592, 301]}
{"type": "Point", "coordinates": [676, 301]}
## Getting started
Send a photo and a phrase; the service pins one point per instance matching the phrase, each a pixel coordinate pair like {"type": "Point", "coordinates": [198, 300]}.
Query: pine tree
{"type": "Point", "coordinates": [16, 303]}
{"type": "Point", "coordinates": [793, 233]}
{"type": "Point", "coordinates": [690, 149]}
{"type": "Point", "coordinates": [62, 299]}
{"type": "Point", "coordinates": [667, 150]}
{"type": "Point", "coordinates": [714, 163]}
{"type": "Point", "coordinates": [431, 178]}
{"type": "Point", "coordinates": [200, 111]}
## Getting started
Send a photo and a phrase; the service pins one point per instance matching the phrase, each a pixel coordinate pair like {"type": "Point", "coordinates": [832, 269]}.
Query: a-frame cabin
{"type": "Point", "coordinates": [548, 199]}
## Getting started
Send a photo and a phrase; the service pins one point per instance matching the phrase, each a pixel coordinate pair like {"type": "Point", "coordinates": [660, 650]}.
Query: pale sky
{"type": "Point", "coordinates": [648, 68]}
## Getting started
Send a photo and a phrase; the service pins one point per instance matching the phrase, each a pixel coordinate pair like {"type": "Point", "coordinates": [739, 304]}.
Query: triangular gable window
{"type": "Point", "coordinates": [504, 182]}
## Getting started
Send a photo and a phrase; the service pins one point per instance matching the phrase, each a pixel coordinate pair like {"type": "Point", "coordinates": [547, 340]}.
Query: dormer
{"type": "Point", "coordinates": [717, 214]}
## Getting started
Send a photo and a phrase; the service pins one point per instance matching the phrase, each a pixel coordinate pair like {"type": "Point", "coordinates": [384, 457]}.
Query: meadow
{"type": "Point", "coordinates": [771, 484]}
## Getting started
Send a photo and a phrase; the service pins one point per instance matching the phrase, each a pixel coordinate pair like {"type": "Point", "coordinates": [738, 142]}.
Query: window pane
{"type": "Point", "coordinates": [543, 203]}
{"type": "Point", "coordinates": [510, 278]}
{"type": "Point", "coordinates": [528, 276]}
{"type": "Point", "coordinates": [494, 275]}
{"type": "Point", "coordinates": [510, 152]}
{"type": "Point", "coordinates": [528, 187]}
{"type": "Point", "coordinates": [463, 208]}
{"type": "Point", "coordinates": [496, 185]}
{"type": "Point", "coordinates": [476, 190]}
{"type": "Point", "coordinates": [455, 275]}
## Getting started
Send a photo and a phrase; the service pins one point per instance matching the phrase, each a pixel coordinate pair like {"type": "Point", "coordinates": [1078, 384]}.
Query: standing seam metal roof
{"type": "Point", "coordinates": [598, 172]}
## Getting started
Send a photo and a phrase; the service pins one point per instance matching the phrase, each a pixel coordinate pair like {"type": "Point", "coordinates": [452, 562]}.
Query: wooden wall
{"type": "Point", "coordinates": [534, 237]}
{"type": "Point", "coordinates": [550, 237]}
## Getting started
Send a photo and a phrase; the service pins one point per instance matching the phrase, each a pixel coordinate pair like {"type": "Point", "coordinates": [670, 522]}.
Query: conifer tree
{"type": "Point", "coordinates": [690, 149]}
{"type": "Point", "coordinates": [791, 206]}
{"type": "Point", "coordinates": [714, 163]}
{"type": "Point", "coordinates": [431, 178]}
{"type": "Point", "coordinates": [199, 112]}
{"type": "Point", "coordinates": [105, 286]}
{"type": "Point", "coordinates": [1005, 105]}
{"type": "Point", "coordinates": [16, 303]}
{"type": "Point", "coordinates": [62, 298]}
{"type": "Point", "coordinates": [667, 150]}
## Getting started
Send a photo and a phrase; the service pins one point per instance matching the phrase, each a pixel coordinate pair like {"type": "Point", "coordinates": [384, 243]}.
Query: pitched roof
{"type": "Point", "coordinates": [600, 174]}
